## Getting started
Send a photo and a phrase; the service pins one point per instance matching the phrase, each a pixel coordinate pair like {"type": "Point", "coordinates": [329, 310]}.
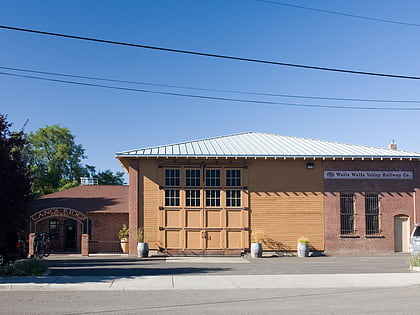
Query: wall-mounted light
{"type": "Point", "coordinates": [310, 165]}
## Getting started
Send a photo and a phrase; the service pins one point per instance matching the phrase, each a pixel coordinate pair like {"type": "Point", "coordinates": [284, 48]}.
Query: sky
{"type": "Point", "coordinates": [107, 121]}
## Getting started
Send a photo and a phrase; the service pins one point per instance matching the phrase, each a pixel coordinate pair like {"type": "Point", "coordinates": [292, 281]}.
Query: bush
{"type": "Point", "coordinates": [25, 267]}
{"type": "Point", "coordinates": [415, 261]}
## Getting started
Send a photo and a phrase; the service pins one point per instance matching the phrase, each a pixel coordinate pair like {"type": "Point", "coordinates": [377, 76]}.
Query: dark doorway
{"type": "Point", "coordinates": [70, 233]}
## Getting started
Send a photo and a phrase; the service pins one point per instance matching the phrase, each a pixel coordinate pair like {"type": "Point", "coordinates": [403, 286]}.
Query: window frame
{"type": "Point", "coordinates": [209, 200]}
{"type": "Point", "coordinates": [192, 201]}
{"type": "Point", "coordinates": [372, 213]}
{"type": "Point", "coordinates": [173, 200]}
{"type": "Point", "coordinates": [347, 213]}
{"type": "Point", "coordinates": [172, 177]}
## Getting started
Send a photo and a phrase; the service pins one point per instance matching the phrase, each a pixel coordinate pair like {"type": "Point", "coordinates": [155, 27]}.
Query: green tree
{"type": "Point", "coordinates": [55, 160]}
{"type": "Point", "coordinates": [106, 177]}
{"type": "Point", "coordinates": [14, 175]}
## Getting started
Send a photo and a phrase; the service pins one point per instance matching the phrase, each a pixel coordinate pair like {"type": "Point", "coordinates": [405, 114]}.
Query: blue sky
{"type": "Point", "coordinates": [107, 121]}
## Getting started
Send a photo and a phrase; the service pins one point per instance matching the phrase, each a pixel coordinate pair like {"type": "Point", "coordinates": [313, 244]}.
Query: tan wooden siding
{"type": "Point", "coordinates": [286, 203]}
{"type": "Point", "coordinates": [149, 170]}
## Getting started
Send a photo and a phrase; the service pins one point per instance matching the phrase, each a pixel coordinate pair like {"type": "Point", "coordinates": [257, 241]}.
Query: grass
{"type": "Point", "coordinates": [415, 261]}
{"type": "Point", "coordinates": [24, 267]}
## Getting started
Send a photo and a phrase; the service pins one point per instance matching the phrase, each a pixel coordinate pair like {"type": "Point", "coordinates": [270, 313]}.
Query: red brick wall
{"type": "Point", "coordinates": [397, 197]}
{"type": "Point", "coordinates": [105, 227]}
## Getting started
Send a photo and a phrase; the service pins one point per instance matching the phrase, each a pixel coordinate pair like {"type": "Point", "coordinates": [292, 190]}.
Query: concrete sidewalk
{"type": "Point", "coordinates": [183, 282]}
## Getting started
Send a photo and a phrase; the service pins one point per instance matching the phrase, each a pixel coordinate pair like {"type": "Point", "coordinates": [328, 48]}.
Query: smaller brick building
{"type": "Point", "coordinates": [97, 210]}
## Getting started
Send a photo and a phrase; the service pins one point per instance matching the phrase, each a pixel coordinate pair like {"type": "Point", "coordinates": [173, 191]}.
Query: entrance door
{"type": "Point", "coordinates": [70, 233]}
{"type": "Point", "coordinates": [401, 233]}
{"type": "Point", "coordinates": [205, 231]}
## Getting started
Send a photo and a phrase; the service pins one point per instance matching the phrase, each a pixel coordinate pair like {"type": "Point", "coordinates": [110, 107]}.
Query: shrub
{"type": "Point", "coordinates": [25, 267]}
{"type": "Point", "coordinates": [303, 240]}
{"type": "Point", "coordinates": [124, 232]}
{"type": "Point", "coordinates": [415, 261]}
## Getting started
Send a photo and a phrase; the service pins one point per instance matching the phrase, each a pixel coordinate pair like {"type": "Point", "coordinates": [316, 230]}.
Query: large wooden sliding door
{"type": "Point", "coordinates": [210, 217]}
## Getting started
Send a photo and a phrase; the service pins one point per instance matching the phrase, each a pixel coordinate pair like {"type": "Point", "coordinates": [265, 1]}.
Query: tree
{"type": "Point", "coordinates": [106, 177]}
{"type": "Point", "coordinates": [55, 160]}
{"type": "Point", "coordinates": [14, 175]}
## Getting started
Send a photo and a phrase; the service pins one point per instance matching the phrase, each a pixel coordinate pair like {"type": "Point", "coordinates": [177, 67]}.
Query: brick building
{"type": "Point", "coordinates": [96, 210]}
{"type": "Point", "coordinates": [209, 196]}
{"type": "Point", "coordinates": [213, 196]}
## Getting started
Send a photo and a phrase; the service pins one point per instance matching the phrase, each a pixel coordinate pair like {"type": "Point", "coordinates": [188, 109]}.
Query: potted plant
{"type": "Point", "coordinates": [123, 237]}
{"type": "Point", "coordinates": [303, 247]}
{"type": "Point", "coordinates": [256, 246]}
{"type": "Point", "coordinates": [142, 247]}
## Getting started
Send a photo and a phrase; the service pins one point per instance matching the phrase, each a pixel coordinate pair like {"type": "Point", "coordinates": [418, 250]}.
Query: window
{"type": "Point", "coordinates": [347, 213]}
{"type": "Point", "coordinates": [233, 198]}
{"type": "Point", "coordinates": [213, 198]}
{"type": "Point", "coordinates": [372, 213]}
{"type": "Point", "coordinates": [192, 178]}
{"type": "Point", "coordinates": [213, 178]}
{"type": "Point", "coordinates": [53, 227]}
{"type": "Point", "coordinates": [233, 178]}
{"type": "Point", "coordinates": [172, 177]}
{"type": "Point", "coordinates": [192, 198]}
{"type": "Point", "coordinates": [172, 198]}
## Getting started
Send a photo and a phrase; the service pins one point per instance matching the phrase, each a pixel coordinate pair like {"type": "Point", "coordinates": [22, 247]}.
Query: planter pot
{"type": "Point", "coordinates": [256, 250]}
{"type": "Point", "coordinates": [142, 249]}
{"type": "Point", "coordinates": [124, 245]}
{"type": "Point", "coordinates": [302, 250]}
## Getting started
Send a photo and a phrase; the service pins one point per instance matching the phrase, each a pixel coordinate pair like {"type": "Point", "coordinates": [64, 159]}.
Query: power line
{"type": "Point", "coordinates": [212, 90]}
{"type": "Point", "coordinates": [339, 13]}
{"type": "Point", "coordinates": [214, 97]}
{"type": "Point", "coordinates": [189, 52]}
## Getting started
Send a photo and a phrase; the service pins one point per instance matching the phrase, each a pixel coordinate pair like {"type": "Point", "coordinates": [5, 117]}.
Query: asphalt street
{"type": "Point", "coordinates": [122, 265]}
{"type": "Point", "coordinates": [216, 285]}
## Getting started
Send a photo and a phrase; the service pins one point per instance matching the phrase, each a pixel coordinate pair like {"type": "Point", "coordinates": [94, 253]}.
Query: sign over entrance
{"type": "Point", "coordinates": [368, 175]}
{"type": "Point", "coordinates": [59, 212]}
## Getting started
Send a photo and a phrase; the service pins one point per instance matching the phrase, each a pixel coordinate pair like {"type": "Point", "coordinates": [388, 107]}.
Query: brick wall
{"type": "Point", "coordinates": [396, 197]}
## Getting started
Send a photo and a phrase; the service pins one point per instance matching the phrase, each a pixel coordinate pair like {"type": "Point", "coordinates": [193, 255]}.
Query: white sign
{"type": "Point", "coordinates": [368, 175]}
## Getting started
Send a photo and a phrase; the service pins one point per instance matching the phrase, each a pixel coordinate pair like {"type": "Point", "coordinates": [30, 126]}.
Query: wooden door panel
{"type": "Point", "coordinates": [173, 239]}
{"type": "Point", "coordinates": [213, 218]}
{"type": "Point", "coordinates": [173, 218]}
{"type": "Point", "coordinates": [234, 219]}
{"type": "Point", "coordinates": [193, 218]}
{"type": "Point", "coordinates": [193, 239]}
{"type": "Point", "coordinates": [214, 239]}
{"type": "Point", "coordinates": [234, 239]}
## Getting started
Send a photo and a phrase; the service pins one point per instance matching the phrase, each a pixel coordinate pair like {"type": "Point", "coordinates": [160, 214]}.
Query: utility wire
{"type": "Point", "coordinates": [212, 90]}
{"type": "Point", "coordinates": [213, 97]}
{"type": "Point", "coordinates": [196, 53]}
{"type": "Point", "coordinates": [339, 13]}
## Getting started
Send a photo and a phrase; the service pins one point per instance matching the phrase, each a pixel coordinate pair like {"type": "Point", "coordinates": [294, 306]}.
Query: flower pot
{"type": "Point", "coordinates": [302, 250]}
{"type": "Point", "coordinates": [124, 245]}
{"type": "Point", "coordinates": [256, 250]}
{"type": "Point", "coordinates": [142, 249]}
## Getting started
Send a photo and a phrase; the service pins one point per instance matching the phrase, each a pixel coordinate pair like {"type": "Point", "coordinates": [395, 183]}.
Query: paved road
{"type": "Point", "coordinates": [382, 301]}
{"type": "Point", "coordinates": [75, 265]}
{"type": "Point", "coordinates": [216, 285]}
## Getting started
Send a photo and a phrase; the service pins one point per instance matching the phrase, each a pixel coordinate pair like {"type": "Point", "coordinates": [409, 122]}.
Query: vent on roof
{"type": "Point", "coordinates": [88, 181]}
{"type": "Point", "coordinates": [392, 145]}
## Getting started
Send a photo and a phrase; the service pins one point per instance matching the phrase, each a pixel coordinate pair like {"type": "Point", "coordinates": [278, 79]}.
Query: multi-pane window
{"type": "Point", "coordinates": [347, 213]}
{"type": "Point", "coordinates": [192, 178]}
{"type": "Point", "coordinates": [372, 213]}
{"type": "Point", "coordinates": [172, 198]}
{"type": "Point", "coordinates": [53, 227]}
{"type": "Point", "coordinates": [192, 198]}
{"type": "Point", "coordinates": [212, 178]}
{"type": "Point", "coordinates": [233, 178]}
{"type": "Point", "coordinates": [172, 177]}
{"type": "Point", "coordinates": [233, 198]}
{"type": "Point", "coordinates": [212, 198]}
